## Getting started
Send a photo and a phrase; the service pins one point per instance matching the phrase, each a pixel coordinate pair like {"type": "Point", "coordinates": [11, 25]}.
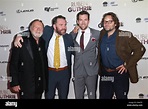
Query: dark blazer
{"type": "Point", "coordinates": [129, 49]}
{"type": "Point", "coordinates": [22, 66]}
{"type": "Point", "coordinates": [68, 42]}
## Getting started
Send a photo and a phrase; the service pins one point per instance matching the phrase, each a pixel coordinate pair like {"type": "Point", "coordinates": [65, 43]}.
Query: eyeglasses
{"type": "Point", "coordinates": [108, 22]}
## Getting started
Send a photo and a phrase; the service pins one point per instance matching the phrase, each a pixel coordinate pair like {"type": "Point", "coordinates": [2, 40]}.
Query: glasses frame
{"type": "Point", "coordinates": [108, 22]}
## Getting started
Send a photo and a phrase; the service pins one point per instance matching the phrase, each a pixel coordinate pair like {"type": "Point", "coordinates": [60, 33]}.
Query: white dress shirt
{"type": "Point", "coordinates": [86, 36]}
{"type": "Point", "coordinates": [50, 52]}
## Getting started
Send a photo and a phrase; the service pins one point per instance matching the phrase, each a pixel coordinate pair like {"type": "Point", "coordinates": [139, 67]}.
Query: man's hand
{"type": "Point", "coordinates": [18, 40]}
{"type": "Point", "coordinates": [121, 69]}
{"type": "Point", "coordinates": [15, 89]}
{"type": "Point", "coordinates": [75, 30]}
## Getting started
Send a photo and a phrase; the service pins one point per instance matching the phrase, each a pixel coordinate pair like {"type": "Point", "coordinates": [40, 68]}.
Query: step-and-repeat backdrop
{"type": "Point", "coordinates": [15, 15]}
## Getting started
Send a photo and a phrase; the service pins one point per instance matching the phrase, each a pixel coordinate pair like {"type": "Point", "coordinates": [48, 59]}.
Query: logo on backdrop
{"type": "Point", "coordinates": [113, 3]}
{"type": "Point", "coordinates": [1, 46]}
{"type": "Point", "coordinates": [2, 13]}
{"type": "Point", "coordinates": [24, 10]}
{"type": "Point", "coordinates": [121, 24]}
{"type": "Point", "coordinates": [144, 77]}
{"type": "Point", "coordinates": [100, 26]}
{"type": "Point", "coordinates": [3, 62]}
{"type": "Point", "coordinates": [146, 19]}
{"type": "Point", "coordinates": [143, 96]}
{"type": "Point", "coordinates": [79, 6]}
{"type": "Point", "coordinates": [143, 38]}
{"type": "Point", "coordinates": [22, 28]}
{"type": "Point", "coordinates": [134, 1]}
{"type": "Point", "coordinates": [4, 30]}
{"type": "Point", "coordinates": [50, 8]}
{"type": "Point", "coordinates": [6, 94]}
{"type": "Point", "coordinates": [5, 78]}
{"type": "Point", "coordinates": [5, 47]}
{"type": "Point", "coordinates": [139, 20]}
{"type": "Point", "coordinates": [144, 58]}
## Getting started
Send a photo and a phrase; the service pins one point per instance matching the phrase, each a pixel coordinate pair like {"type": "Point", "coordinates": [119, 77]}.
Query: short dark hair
{"type": "Point", "coordinates": [114, 17]}
{"type": "Point", "coordinates": [54, 20]}
{"type": "Point", "coordinates": [33, 22]}
{"type": "Point", "coordinates": [82, 13]}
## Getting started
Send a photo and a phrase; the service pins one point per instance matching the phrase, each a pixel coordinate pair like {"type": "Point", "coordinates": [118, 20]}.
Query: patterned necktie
{"type": "Point", "coordinates": [82, 40]}
{"type": "Point", "coordinates": [57, 53]}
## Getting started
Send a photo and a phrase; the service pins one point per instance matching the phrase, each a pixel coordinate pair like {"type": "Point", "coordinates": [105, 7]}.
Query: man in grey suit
{"type": "Point", "coordinates": [85, 69]}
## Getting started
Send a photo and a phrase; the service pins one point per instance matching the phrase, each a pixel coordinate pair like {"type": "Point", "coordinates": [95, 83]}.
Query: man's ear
{"type": "Point", "coordinates": [77, 23]}
{"type": "Point", "coordinates": [54, 27]}
{"type": "Point", "coordinates": [115, 25]}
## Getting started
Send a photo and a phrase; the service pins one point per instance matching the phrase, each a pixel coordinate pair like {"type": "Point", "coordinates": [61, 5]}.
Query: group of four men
{"type": "Point", "coordinates": [39, 64]}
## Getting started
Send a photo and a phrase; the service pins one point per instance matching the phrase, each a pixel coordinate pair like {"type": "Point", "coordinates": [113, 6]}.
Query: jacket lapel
{"type": "Point", "coordinates": [66, 45]}
{"type": "Point", "coordinates": [90, 42]}
{"type": "Point", "coordinates": [28, 46]}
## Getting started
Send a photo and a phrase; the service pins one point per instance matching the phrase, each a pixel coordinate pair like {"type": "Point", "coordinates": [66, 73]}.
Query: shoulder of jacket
{"type": "Point", "coordinates": [125, 33]}
{"type": "Point", "coordinates": [92, 29]}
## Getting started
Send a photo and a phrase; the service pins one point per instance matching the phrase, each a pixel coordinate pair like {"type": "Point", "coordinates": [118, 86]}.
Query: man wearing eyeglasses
{"type": "Point", "coordinates": [119, 52]}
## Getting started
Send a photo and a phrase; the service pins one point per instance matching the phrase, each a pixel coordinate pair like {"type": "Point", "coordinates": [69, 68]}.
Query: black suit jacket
{"type": "Point", "coordinates": [22, 66]}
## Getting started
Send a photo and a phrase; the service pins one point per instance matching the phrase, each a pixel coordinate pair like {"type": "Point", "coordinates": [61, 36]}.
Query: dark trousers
{"type": "Point", "coordinates": [30, 95]}
{"type": "Point", "coordinates": [58, 80]}
{"type": "Point", "coordinates": [114, 83]}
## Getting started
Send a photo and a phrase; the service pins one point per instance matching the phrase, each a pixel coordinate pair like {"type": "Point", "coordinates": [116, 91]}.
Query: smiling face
{"type": "Point", "coordinates": [83, 21]}
{"type": "Point", "coordinates": [60, 26]}
{"type": "Point", "coordinates": [37, 29]}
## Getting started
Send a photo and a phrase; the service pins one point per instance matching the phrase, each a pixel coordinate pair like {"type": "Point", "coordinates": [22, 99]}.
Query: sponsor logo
{"type": "Point", "coordinates": [143, 96]}
{"type": "Point", "coordinates": [139, 20]}
{"type": "Point", "coordinates": [144, 58]}
{"type": "Point", "coordinates": [112, 3]}
{"type": "Point", "coordinates": [146, 19]}
{"type": "Point", "coordinates": [144, 77]}
{"type": "Point", "coordinates": [4, 30]}
{"type": "Point", "coordinates": [5, 78]}
{"type": "Point", "coordinates": [4, 45]}
{"type": "Point", "coordinates": [143, 38]}
{"type": "Point", "coordinates": [2, 13]}
{"type": "Point", "coordinates": [105, 4]}
{"type": "Point", "coordinates": [3, 62]}
{"type": "Point", "coordinates": [50, 8]}
{"type": "Point", "coordinates": [24, 11]}
{"type": "Point", "coordinates": [134, 1]}
{"type": "Point", "coordinates": [6, 94]}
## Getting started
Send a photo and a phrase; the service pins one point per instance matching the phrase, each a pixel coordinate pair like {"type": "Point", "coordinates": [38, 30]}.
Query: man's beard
{"type": "Point", "coordinates": [109, 29]}
{"type": "Point", "coordinates": [36, 34]}
{"type": "Point", "coordinates": [60, 32]}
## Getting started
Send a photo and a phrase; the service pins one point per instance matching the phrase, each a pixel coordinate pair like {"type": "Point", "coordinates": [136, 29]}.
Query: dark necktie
{"type": "Point", "coordinates": [82, 40]}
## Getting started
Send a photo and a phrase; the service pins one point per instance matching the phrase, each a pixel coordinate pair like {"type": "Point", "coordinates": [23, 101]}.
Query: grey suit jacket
{"type": "Point", "coordinates": [86, 61]}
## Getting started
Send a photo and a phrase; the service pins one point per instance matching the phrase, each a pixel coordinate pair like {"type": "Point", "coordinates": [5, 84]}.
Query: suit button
{"type": "Point", "coordinates": [90, 63]}
{"type": "Point", "coordinates": [22, 93]}
{"type": "Point", "coordinates": [22, 64]}
{"type": "Point", "coordinates": [39, 49]}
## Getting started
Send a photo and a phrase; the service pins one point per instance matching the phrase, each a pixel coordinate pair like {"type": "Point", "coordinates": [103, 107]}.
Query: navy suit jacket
{"type": "Point", "coordinates": [68, 42]}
